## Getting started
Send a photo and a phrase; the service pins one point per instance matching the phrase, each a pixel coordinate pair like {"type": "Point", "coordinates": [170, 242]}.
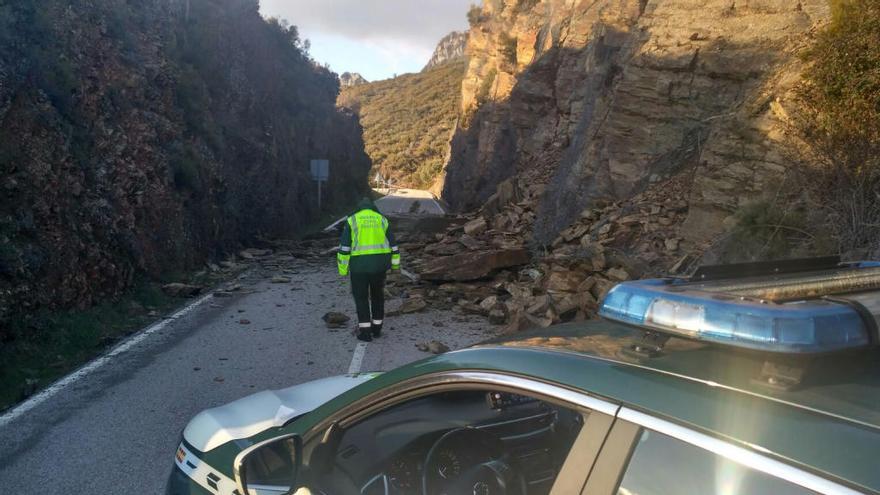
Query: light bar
{"type": "Point", "coordinates": [797, 327]}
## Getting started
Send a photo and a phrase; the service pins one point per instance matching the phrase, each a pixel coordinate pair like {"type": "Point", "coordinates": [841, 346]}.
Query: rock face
{"type": "Point", "coordinates": [597, 99]}
{"type": "Point", "coordinates": [450, 48]}
{"type": "Point", "coordinates": [144, 137]}
{"type": "Point", "coordinates": [348, 79]}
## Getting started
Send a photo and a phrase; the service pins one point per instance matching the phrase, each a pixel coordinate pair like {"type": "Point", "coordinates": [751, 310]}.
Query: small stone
{"type": "Point", "coordinates": [244, 321]}
{"type": "Point", "coordinates": [334, 319]}
{"type": "Point", "coordinates": [489, 303]}
{"type": "Point", "coordinates": [278, 279]}
{"type": "Point", "coordinates": [434, 347]}
{"type": "Point", "coordinates": [618, 274]}
{"type": "Point", "coordinates": [671, 245]}
{"type": "Point", "coordinates": [413, 305]}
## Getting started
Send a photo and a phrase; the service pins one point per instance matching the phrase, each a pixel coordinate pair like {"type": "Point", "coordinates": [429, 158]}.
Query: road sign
{"type": "Point", "coordinates": [320, 173]}
{"type": "Point", "coordinates": [320, 170]}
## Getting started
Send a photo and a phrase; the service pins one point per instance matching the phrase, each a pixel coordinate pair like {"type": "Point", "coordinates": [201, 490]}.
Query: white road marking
{"type": "Point", "coordinates": [90, 368]}
{"type": "Point", "coordinates": [357, 359]}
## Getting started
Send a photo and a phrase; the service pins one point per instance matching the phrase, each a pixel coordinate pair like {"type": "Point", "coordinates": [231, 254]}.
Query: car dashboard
{"type": "Point", "coordinates": [388, 454]}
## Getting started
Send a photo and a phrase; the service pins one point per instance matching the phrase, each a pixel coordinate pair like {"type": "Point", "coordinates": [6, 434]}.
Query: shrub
{"type": "Point", "coordinates": [475, 15]}
{"type": "Point", "coordinates": [840, 125]}
{"type": "Point", "coordinates": [507, 48]}
{"type": "Point", "coordinates": [526, 5]}
{"type": "Point", "coordinates": [767, 230]}
{"type": "Point", "coordinates": [486, 87]}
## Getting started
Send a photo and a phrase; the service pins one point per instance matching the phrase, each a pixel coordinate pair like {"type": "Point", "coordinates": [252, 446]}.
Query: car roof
{"type": "Point", "coordinates": [830, 424]}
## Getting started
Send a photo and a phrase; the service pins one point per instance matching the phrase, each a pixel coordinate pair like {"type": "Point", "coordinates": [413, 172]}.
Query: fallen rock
{"type": "Point", "coordinates": [601, 287]}
{"type": "Point", "coordinates": [497, 317]}
{"type": "Point", "coordinates": [489, 303]}
{"type": "Point", "coordinates": [542, 322]}
{"type": "Point", "coordinates": [335, 320]}
{"type": "Point", "coordinates": [564, 281]}
{"type": "Point", "coordinates": [244, 321]}
{"type": "Point", "coordinates": [540, 305]}
{"type": "Point", "coordinates": [472, 265]}
{"type": "Point", "coordinates": [618, 274]}
{"type": "Point", "coordinates": [278, 279]}
{"type": "Point", "coordinates": [476, 226]}
{"type": "Point", "coordinates": [413, 305]}
{"type": "Point", "coordinates": [434, 347]}
{"type": "Point", "coordinates": [181, 290]}
{"type": "Point", "coordinates": [252, 253]}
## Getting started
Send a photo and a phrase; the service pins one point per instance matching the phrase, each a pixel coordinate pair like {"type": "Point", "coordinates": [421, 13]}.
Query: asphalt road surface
{"type": "Point", "coordinates": [409, 201]}
{"type": "Point", "coordinates": [113, 428]}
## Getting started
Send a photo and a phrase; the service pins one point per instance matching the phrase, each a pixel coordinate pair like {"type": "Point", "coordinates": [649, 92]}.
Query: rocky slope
{"type": "Point", "coordinates": [597, 100]}
{"type": "Point", "coordinates": [145, 137]}
{"type": "Point", "coordinates": [408, 121]}
{"type": "Point", "coordinates": [450, 48]}
{"type": "Point", "coordinates": [347, 79]}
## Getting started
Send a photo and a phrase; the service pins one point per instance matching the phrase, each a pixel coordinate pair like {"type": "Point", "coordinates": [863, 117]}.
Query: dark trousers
{"type": "Point", "coordinates": [369, 296]}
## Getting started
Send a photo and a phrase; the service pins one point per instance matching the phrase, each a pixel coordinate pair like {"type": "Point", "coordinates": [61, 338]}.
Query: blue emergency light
{"type": "Point", "coordinates": [718, 313]}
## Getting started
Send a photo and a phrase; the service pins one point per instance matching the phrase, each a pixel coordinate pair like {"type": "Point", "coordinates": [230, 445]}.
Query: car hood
{"type": "Point", "coordinates": [268, 409]}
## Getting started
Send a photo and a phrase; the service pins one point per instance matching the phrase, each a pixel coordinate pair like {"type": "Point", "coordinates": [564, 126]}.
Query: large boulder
{"type": "Point", "coordinates": [473, 265]}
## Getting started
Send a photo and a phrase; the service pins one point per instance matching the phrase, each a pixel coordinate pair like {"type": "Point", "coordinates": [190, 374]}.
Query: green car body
{"type": "Point", "coordinates": [829, 427]}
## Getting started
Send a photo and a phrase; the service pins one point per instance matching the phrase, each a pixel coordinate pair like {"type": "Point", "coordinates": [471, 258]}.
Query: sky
{"type": "Point", "coordinates": [376, 38]}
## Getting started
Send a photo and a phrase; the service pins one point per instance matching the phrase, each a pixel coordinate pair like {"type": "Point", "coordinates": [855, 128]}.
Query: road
{"type": "Point", "coordinates": [115, 428]}
{"type": "Point", "coordinates": [409, 201]}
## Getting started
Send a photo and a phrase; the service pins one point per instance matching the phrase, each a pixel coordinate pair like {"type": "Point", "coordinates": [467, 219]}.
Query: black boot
{"type": "Point", "coordinates": [364, 334]}
{"type": "Point", "coordinates": [377, 330]}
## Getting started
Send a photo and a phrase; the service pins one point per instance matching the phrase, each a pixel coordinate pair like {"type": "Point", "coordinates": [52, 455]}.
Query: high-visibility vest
{"type": "Point", "coordinates": [368, 237]}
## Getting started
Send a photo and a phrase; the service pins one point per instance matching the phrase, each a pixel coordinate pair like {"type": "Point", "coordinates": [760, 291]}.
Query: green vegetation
{"type": "Point", "coordinates": [407, 121]}
{"type": "Point", "coordinates": [486, 86]}
{"type": "Point", "coordinates": [507, 47]}
{"type": "Point", "coordinates": [766, 229]}
{"type": "Point", "coordinates": [475, 15]}
{"type": "Point", "coordinates": [145, 138]}
{"type": "Point", "coordinates": [841, 126]}
{"type": "Point", "coordinates": [526, 5]}
{"type": "Point", "coordinates": [48, 345]}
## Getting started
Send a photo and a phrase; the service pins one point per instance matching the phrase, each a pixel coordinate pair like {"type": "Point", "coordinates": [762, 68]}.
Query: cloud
{"type": "Point", "coordinates": [417, 23]}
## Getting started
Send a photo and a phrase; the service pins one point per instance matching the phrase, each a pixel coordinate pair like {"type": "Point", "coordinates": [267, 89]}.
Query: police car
{"type": "Point", "coordinates": [756, 379]}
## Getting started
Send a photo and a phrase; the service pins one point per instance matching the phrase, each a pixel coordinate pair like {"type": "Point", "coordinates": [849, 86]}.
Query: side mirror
{"type": "Point", "coordinates": [269, 467]}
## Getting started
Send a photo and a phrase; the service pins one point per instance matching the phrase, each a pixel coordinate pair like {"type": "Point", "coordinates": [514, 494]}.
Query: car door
{"type": "Point", "coordinates": [645, 455]}
{"type": "Point", "coordinates": [420, 436]}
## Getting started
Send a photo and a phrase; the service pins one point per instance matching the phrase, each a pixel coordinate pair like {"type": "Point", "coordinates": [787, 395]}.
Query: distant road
{"type": "Point", "coordinates": [409, 202]}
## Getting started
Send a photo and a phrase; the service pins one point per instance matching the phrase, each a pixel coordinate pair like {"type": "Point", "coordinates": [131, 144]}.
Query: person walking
{"type": "Point", "coordinates": [367, 251]}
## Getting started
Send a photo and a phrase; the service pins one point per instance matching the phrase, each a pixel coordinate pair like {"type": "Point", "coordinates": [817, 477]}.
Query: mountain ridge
{"type": "Point", "coordinates": [450, 48]}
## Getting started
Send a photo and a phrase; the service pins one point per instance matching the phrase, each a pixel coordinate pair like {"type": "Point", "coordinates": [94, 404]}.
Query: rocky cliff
{"type": "Point", "coordinates": [597, 100]}
{"type": "Point", "coordinates": [348, 79]}
{"type": "Point", "coordinates": [450, 48]}
{"type": "Point", "coordinates": [146, 137]}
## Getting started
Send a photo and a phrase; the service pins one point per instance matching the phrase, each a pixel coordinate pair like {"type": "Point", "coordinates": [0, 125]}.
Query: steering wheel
{"type": "Point", "coordinates": [494, 476]}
